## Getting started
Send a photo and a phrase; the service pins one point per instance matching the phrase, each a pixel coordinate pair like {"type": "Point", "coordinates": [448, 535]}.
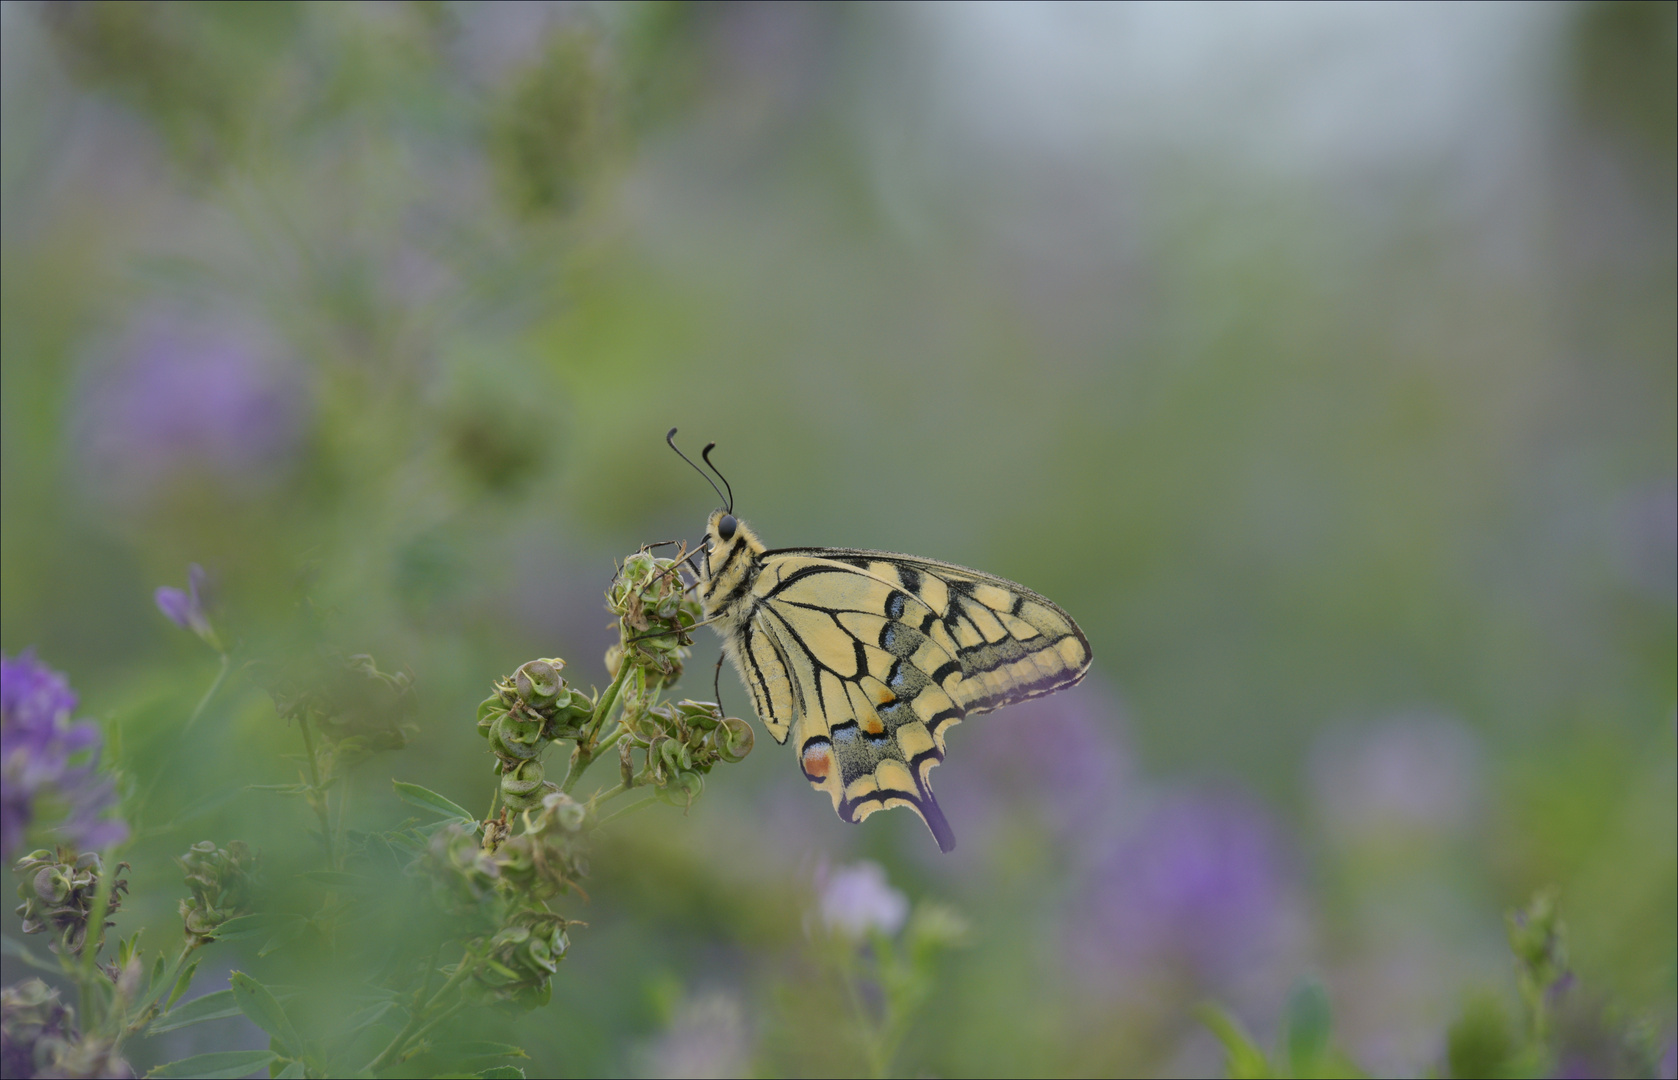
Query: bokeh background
{"type": "Point", "coordinates": [1319, 359]}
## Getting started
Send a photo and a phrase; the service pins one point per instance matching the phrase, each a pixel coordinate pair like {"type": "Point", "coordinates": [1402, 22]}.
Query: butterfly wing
{"type": "Point", "coordinates": [868, 658]}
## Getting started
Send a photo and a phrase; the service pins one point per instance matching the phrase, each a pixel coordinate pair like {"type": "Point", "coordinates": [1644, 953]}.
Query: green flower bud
{"type": "Point", "coordinates": [701, 715]}
{"type": "Point", "coordinates": [538, 683]}
{"type": "Point", "coordinates": [515, 739]}
{"type": "Point", "coordinates": [734, 740]}
{"type": "Point", "coordinates": [463, 875]}
{"type": "Point", "coordinates": [58, 891]}
{"type": "Point", "coordinates": [523, 786]}
{"type": "Point", "coordinates": [682, 789]}
{"type": "Point", "coordinates": [222, 883]}
{"type": "Point", "coordinates": [614, 660]}
{"type": "Point", "coordinates": [488, 710]}
{"type": "Point", "coordinates": [562, 810]}
{"type": "Point", "coordinates": [581, 706]}
{"type": "Point", "coordinates": [569, 714]}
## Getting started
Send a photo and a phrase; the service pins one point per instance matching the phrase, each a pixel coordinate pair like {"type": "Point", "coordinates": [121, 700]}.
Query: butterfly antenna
{"type": "Point", "coordinates": [706, 454]}
{"type": "Point", "coordinates": [670, 438]}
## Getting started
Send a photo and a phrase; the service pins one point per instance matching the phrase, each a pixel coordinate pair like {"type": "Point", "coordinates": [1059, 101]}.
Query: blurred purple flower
{"type": "Point", "coordinates": [186, 609]}
{"type": "Point", "coordinates": [1199, 896]}
{"type": "Point", "coordinates": [1409, 774]}
{"type": "Point", "coordinates": [1059, 760]}
{"type": "Point", "coordinates": [37, 741]}
{"type": "Point", "coordinates": [178, 390]}
{"type": "Point", "coordinates": [856, 899]}
{"type": "Point", "coordinates": [1645, 543]}
{"type": "Point", "coordinates": [708, 1036]}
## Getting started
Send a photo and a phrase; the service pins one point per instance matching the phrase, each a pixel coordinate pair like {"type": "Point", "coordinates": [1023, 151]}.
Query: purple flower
{"type": "Point", "coordinates": [37, 742]}
{"type": "Point", "coordinates": [177, 391]}
{"type": "Point", "coordinates": [1058, 762]}
{"type": "Point", "coordinates": [856, 899]}
{"type": "Point", "coordinates": [186, 609]}
{"type": "Point", "coordinates": [1197, 897]}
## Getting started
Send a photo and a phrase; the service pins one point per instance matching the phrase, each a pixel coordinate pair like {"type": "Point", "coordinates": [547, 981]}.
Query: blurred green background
{"type": "Point", "coordinates": [1319, 359]}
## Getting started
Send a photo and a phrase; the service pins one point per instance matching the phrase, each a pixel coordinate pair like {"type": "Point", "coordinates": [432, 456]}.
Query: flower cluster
{"type": "Point", "coordinates": [38, 1037]}
{"type": "Point", "coordinates": [681, 742]}
{"type": "Point", "coordinates": [523, 956]}
{"type": "Point", "coordinates": [59, 893]}
{"type": "Point", "coordinates": [38, 743]}
{"type": "Point", "coordinates": [496, 877]}
{"type": "Point", "coordinates": [222, 881]}
{"type": "Point", "coordinates": [501, 884]}
{"type": "Point", "coordinates": [527, 712]}
{"type": "Point", "coordinates": [654, 614]}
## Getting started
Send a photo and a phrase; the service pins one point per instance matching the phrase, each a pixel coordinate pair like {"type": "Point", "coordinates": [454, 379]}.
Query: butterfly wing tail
{"type": "Point", "coordinates": [933, 815]}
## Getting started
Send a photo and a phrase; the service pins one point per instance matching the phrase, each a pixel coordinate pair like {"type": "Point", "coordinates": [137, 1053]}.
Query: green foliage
{"type": "Point", "coordinates": [1305, 1048]}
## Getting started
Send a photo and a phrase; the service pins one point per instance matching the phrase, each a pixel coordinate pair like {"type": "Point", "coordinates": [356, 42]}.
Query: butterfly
{"type": "Point", "coordinates": [866, 659]}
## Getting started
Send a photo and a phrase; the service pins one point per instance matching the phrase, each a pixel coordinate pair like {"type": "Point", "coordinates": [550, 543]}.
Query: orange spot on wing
{"type": "Point", "coordinates": [884, 696]}
{"type": "Point", "coordinates": [818, 762]}
{"type": "Point", "coordinates": [871, 724]}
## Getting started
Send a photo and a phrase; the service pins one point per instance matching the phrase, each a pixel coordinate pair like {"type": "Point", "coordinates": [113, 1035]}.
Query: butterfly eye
{"type": "Point", "coordinates": [725, 527]}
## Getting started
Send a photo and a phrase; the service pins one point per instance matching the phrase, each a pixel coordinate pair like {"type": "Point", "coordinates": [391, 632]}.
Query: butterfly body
{"type": "Point", "coordinates": [866, 659]}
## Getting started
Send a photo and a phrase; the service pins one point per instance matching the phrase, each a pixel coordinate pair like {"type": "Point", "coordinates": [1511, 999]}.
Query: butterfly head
{"type": "Point", "coordinates": [727, 539]}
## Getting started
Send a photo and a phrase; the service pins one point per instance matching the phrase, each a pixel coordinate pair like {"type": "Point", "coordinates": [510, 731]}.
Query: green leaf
{"type": "Point", "coordinates": [266, 1012]}
{"type": "Point", "coordinates": [1245, 1060]}
{"type": "Point", "coordinates": [184, 981]}
{"type": "Point", "coordinates": [293, 1071]}
{"type": "Point", "coordinates": [213, 1006]}
{"type": "Point", "coordinates": [426, 799]}
{"type": "Point", "coordinates": [1308, 1024]}
{"type": "Point", "coordinates": [230, 1064]}
{"type": "Point", "coordinates": [501, 1072]}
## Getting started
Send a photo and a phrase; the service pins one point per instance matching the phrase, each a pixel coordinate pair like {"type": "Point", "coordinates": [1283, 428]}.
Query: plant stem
{"type": "Point", "coordinates": [870, 1037]}
{"type": "Point", "coordinates": [317, 795]}
{"type": "Point", "coordinates": [204, 702]}
{"type": "Point", "coordinates": [583, 757]}
{"type": "Point", "coordinates": [418, 1024]}
{"type": "Point", "coordinates": [631, 808]}
{"type": "Point", "coordinates": [93, 936]}
{"type": "Point", "coordinates": [603, 708]}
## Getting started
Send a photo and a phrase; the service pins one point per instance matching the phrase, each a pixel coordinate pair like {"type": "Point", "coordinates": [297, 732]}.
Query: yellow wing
{"type": "Point", "coordinates": [868, 658]}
